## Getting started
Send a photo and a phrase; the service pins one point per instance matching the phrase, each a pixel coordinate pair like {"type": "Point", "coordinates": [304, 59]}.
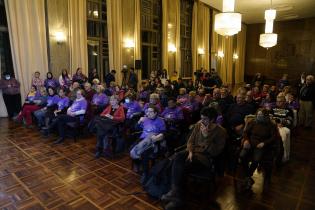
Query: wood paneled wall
{"type": "Point", "coordinates": [294, 53]}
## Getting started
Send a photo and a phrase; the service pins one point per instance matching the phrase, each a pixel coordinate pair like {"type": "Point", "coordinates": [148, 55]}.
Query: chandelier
{"type": "Point", "coordinates": [228, 23]}
{"type": "Point", "coordinates": [269, 39]}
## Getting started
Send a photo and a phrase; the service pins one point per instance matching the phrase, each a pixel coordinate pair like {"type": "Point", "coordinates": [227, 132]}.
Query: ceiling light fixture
{"type": "Point", "coordinates": [269, 39]}
{"type": "Point", "coordinates": [228, 22]}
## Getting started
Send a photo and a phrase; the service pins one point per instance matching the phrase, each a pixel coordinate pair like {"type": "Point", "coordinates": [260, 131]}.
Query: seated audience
{"type": "Point", "coordinates": [154, 101]}
{"type": "Point", "coordinates": [99, 101]}
{"type": "Point", "coordinates": [79, 76]}
{"type": "Point", "coordinates": [28, 108]}
{"type": "Point", "coordinates": [65, 79]}
{"type": "Point", "coordinates": [37, 81]}
{"type": "Point", "coordinates": [106, 124]}
{"type": "Point", "coordinates": [259, 135]}
{"type": "Point", "coordinates": [74, 113]}
{"type": "Point", "coordinates": [61, 108]}
{"type": "Point", "coordinates": [89, 92]}
{"type": "Point", "coordinates": [205, 143]}
{"type": "Point", "coordinates": [51, 104]}
{"type": "Point", "coordinates": [50, 81]}
{"type": "Point", "coordinates": [153, 128]}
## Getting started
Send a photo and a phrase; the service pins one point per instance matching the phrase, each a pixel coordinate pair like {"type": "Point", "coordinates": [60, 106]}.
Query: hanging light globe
{"type": "Point", "coordinates": [268, 40]}
{"type": "Point", "coordinates": [229, 22]}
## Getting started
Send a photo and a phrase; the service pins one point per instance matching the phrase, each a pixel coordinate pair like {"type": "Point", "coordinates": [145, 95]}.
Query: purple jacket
{"type": "Point", "coordinates": [152, 126]}
{"type": "Point", "coordinates": [33, 97]}
{"type": "Point", "coordinates": [100, 99]}
{"type": "Point", "coordinates": [132, 108]}
{"type": "Point", "coordinates": [63, 103]}
{"type": "Point", "coordinates": [51, 83]}
{"type": "Point", "coordinates": [52, 100]}
{"type": "Point", "coordinates": [173, 114]}
{"type": "Point", "coordinates": [293, 105]}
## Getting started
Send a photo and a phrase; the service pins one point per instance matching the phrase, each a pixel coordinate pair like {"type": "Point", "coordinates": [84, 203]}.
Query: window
{"type": "Point", "coordinates": [97, 36]}
{"type": "Point", "coordinates": [186, 10]}
{"type": "Point", "coordinates": [5, 49]}
{"type": "Point", "coordinates": [151, 27]}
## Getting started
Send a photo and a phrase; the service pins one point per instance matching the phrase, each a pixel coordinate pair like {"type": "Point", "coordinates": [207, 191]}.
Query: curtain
{"type": "Point", "coordinates": [200, 36]}
{"type": "Point", "coordinates": [114, 26]}
{"type": "Point", "coordinates": [137, 36]}
{"type": "Point", "coordinates": [165, 35]}
{"type": "Point", "coordinates": [27, 31]}
{"type": "Point", "coordinates": [78, 35]}
{"type": "Point", "coordinates": [241, 50]}
{"type": "Point", "coordinates": [226, 63]}
{"type": "Point", "coordinates": [194, 41]}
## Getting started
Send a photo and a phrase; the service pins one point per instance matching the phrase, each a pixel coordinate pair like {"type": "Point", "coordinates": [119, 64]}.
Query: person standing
{"type": "Point", "coordinates": [11, 94]}
{"type": "Point", "coordinates": [110, 77]}
{"type": "Point", "coordinates": [133, 79]}
{"type": "Point", "coordinates": [307, 101]}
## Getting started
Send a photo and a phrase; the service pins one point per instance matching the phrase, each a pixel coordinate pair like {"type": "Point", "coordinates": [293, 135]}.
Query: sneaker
{"type": "Point", "coordinates": [59, 141]}
{"type": "Point", "coordinates": [172, 195]}
{"type": "Point", "coordinates": [174, 205]}
{"type": "Point", "coordinates": [98, 154]}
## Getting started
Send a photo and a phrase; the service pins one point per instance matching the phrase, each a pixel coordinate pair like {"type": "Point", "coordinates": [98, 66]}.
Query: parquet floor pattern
{"type": "Point", "coordinates": [35, 174]}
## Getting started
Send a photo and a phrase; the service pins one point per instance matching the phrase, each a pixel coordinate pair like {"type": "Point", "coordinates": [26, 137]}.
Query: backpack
{"type": "Point", "coordinates": [158, 182]}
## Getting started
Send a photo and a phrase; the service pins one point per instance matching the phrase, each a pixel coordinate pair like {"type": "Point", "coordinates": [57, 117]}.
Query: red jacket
{"type": "Point", "coordinates": [119, 114]}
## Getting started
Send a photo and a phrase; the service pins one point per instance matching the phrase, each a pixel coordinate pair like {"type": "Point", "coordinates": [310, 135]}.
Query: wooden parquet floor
{"type": "Point", "coordinates": [35, 174]}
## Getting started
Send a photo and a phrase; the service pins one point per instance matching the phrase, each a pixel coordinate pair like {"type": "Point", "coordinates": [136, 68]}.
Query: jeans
{"type": "Point", "coordinates": [40, 116]}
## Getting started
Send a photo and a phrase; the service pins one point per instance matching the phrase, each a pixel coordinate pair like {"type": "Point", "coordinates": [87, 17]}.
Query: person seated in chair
{"type": "Point", "coordinates": [51, 104]}
{"type": "Point", "coordinates": [75, 111]}
{"type": "Point", "coordinates": [61, 108]}
{"type": "Point", "coordinates": [106, 124]}
{"type": "Point", "coordinates": [99, 100]}
{"type": "Point", "coordinates": [284, 118]}
{"type": "Point", "coordinates": [207, 141]}
{"type": "Point", "coordinates": [153, 129]}
{"type": "Point", "coordinates": [259, 134]}
{"type": "Point", "coordinates": [155, 101]}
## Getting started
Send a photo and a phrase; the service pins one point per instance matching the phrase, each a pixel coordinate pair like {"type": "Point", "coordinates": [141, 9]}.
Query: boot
{"type": "Point", "coordinates": [173, 205]}
{"type": "Point", "coordinates": [98, 153]}
{"type": "Point", "coordinates": [59, 141]}
{"type": "Point", "coordinates": [172, 195]}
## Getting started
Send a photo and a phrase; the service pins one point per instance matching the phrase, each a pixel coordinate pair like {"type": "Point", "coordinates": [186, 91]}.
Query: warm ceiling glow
{"type": "Point", "coordinates": [129, 43]}
{"type": "Point", "coordinates": [228, 23]}
{"type": "Point", "coordinates": [201, 51]}
{"type": "Point", "coordinates": [171, 48]}
{"type": "Point", "coordinates": [60, 36]}
{"type": "Point", "coordinates": [235, 56]}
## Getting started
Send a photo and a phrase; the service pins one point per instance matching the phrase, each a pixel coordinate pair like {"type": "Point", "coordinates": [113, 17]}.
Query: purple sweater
{"type": "Point", "coordinates": [63, 103]}
{"type": "Point", "coordinates": [155, 126]}
{"type": "Point", "coordinates": [79, 106]}
{"type": "Point", "coordinates": [173, 114]}
{"type": "Point", "coordinates": [100, 99]}
{"type": "Point", "coordinates": [52, 100]}
{"type": "Point", "coordinates": [132, 108]}
{"type": "Point", "coordinates": [51, 83]}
